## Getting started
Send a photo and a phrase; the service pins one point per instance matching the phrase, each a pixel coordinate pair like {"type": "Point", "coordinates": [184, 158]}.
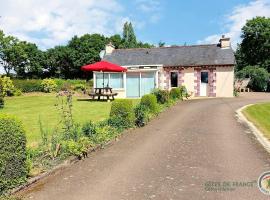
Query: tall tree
{"type": "Point", "coordinates": [33, 67]}
{"type": "Point", "coordinates": [12, 53]}
{"type": "Point", "coordinates": [129, 36]}
{"type": "Point", "coordinates": [116, 40]}
{"type": "Point", "coordinates": [85, 50]}
{"type": "Point", "coordinates": [161, 44]}
{"type": "Point", "coordinates": [255, 46]}
{"type": "Point", "coordinates": [59, 62]}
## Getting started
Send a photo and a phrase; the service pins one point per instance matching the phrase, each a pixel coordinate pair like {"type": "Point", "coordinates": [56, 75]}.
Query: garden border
{"type": "Point", "coordinates": [258, 134]}
{"type": "Point", "coordinates": [64, 164]}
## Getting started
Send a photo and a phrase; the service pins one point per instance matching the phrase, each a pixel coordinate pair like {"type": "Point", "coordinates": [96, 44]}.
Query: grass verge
{"type": "Point", "coordinates": [259, 115]}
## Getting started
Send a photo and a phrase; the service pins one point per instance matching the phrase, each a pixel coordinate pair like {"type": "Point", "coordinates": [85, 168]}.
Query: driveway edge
{"type": "Point", "coordinates": [258, 134]}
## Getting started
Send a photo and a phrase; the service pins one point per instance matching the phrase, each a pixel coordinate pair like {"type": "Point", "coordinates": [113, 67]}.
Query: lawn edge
{"type": "Point", "coordinates": [258, 134]}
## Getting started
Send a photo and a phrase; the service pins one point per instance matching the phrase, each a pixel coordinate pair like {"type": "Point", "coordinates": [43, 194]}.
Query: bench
{"type": "Point", "coordinates": [103, 92]}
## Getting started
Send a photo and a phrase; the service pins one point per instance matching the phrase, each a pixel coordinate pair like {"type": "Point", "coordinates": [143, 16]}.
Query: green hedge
{"type": "Point", "coordinates": [122, 115]}
{"type": "Point", "coordinates": [175, 93]}
{"type": "Point", "coordinates": [162, 96]}
{"type": "Point", "coordinates": [13, 168]}
{"type": "Point", "coordinates": [35, 85]}
{"type": "Point", "coordinates": [30, 85]}
{"type": "Point", "coordinates": [141, 115]}
{"type": "Point", "coordinates": [150, 102]}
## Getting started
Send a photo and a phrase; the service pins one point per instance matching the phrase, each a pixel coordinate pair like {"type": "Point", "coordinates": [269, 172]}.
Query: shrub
{"type": "Point", "coordinates": [89, 129]}
{"type": "Point", "coordinates": [121, 115]}
{"type": "Point", "coordinates": [150, 101]}
{"type": "Point", "coordinates": [161, 95]}
{"type": "Point", "coordinates": [68, 84]}
{"type": "Point", "coordinates": [259, 77]}
{"type": "Point", "coordinates": [184, 92]}
{"type": "Point", "coordinates": [13, 168]}
{"type": "Point", "coordinates": [7, 87]}
{"type": "Point", "coordinates": [2, 102]}
{"type": "Point", "coordinates": [80, 87]}
{"type": "Point", "coordinates": [141, 115]}
{"type": "Point", "coordinates": [175, 93]}
{"type": "Point", "coordinates": [29, 85]}
{"type": "Point", "coordinates": [17, 92]}
{"type": "Point", "coordinates": [48, 85]}
{"type": "Point", "coordinates": [103, 134]}
{"type": "Point", "coordinates": [77, 148]}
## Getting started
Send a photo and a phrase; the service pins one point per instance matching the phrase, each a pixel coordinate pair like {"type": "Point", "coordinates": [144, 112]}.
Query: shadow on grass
{"type": "Point", "coordinates": [94, 100]}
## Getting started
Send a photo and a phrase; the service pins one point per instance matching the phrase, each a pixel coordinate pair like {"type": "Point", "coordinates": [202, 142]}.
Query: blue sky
{"type": "Point", "coordinates": [53, 22]}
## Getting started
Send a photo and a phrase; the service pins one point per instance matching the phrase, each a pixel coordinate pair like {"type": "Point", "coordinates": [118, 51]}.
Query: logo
{"type": "Point", "coordinates": [264, 183]}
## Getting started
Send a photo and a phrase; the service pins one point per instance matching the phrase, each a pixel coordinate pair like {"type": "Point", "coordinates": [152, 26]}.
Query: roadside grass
{"type": "Point", "coordinates": [259, 114]}
{"type": "Point", "coordinates": [29, 109]}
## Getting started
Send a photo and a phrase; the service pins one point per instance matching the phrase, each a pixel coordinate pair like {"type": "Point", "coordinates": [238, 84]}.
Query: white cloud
{"type": "Point", "coordinates": [148, 5]}
{"type": "Point", "coordinates": [237, 19]}
{"type": "Point", "coordinates": [150, 8]}
{"type": "Point", "coordinates": [53, 22]}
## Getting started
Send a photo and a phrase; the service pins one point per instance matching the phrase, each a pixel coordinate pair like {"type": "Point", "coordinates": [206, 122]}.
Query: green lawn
{"type": "Point", "coordinates": [260, 115]}
{"type": "Point", "coordinates": [30, 108]}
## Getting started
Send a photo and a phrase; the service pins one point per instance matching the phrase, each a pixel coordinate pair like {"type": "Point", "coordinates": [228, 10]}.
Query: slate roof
{"type": "Point", "coordinates": [196, 55]}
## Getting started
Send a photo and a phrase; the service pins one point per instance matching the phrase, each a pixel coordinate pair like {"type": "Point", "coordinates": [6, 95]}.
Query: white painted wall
{"type": "Point", "coordinates": [224, 82]}
{"type": "Point", "coordinates": [189, 80]}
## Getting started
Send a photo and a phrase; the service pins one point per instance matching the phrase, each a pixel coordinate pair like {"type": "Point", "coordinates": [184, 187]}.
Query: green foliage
{"type": "Point", "coordinates": [150, 102]}
{"type": "Point", "coordinates": [162, 96]}
{"type": "Point", "coordinates": [2, 102]}
{"type": "Point", "coordinates": [175, 93]}
{"type": "Point", "coordinates": [235, 92]}
{"type": "Point", "coordinates": [116, 40]}
{"type": "Point", "coordinates": [77, 148]}
{"type": "Point", "coordinates": [89, 129]}
{"type": "Point", "coordinates": [254, 48]}
{"type": "Point", "coordinates": [13, 169]}
{"type": "Point", "coordinates": [63, 61]}
{"type": "Point", "coordinates": [161, 44]}
{"type": "Point", "coordinates": [129, 36]}
{"type": "Point", "coordinates": [7, 87]}
{"type": "Point", "coordinates": [141, 115]}
{"type": "Point", "coordinates": [104, 134]}
{"type": "Point", "coordinates": [22, 57]}
{"type": "Point", "coordinates": [122, 113]}
{"type": "Point", "coordinates": [79, 87]}
{"type": "Point", "coordinates": [10, 198]}
{"type": "Point", "coordinates": [184, 92]}
{"type": "Point", "coordinates": [48, 85]}
{"type": "Point", "coordinates": [36, 85]}
{"type": "Point", "coordinates": [259, 77]}
{"type": "Point", "coordinates": [17, 92]}
{"type": "Point", "coordinates": [28, 85]}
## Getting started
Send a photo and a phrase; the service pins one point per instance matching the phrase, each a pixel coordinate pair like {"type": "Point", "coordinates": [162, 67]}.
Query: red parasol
{"type": "Point", "coordinates": [103, 66]}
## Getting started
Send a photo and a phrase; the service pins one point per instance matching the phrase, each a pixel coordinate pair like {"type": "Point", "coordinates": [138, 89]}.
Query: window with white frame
{"type": "Point", "coordinates": [113, 80]}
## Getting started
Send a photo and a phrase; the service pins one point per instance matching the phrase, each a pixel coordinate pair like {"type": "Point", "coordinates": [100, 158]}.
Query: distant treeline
{"type": "Point", "coordinates": [25, 60]}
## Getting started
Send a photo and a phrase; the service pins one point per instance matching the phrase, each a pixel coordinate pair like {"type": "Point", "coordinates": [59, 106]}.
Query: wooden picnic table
{"type": "Point", "coordinates": [103, 92]}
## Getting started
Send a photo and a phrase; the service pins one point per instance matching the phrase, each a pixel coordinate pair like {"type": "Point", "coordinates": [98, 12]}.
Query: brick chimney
{"type": "Point", "coordinates": [225, 42]}
{"type": "Point", "coordinates": [109, 48]}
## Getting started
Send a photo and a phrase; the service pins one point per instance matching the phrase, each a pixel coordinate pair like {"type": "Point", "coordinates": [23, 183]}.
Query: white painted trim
{"type": "Point", "coordinates": [142, 70]}
{"type": "Point", "coordinates": [153, 65]}
{"type": "Point", "coordinates": [140, 85]}
{"type": "Point", "coordinates": [94, 81]}
{"type": "Point", "coordinates": [156, 80]}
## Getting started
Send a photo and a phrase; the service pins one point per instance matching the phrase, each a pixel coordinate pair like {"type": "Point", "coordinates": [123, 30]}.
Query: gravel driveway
{"type": "Point", "coordinates": [192, 145]}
